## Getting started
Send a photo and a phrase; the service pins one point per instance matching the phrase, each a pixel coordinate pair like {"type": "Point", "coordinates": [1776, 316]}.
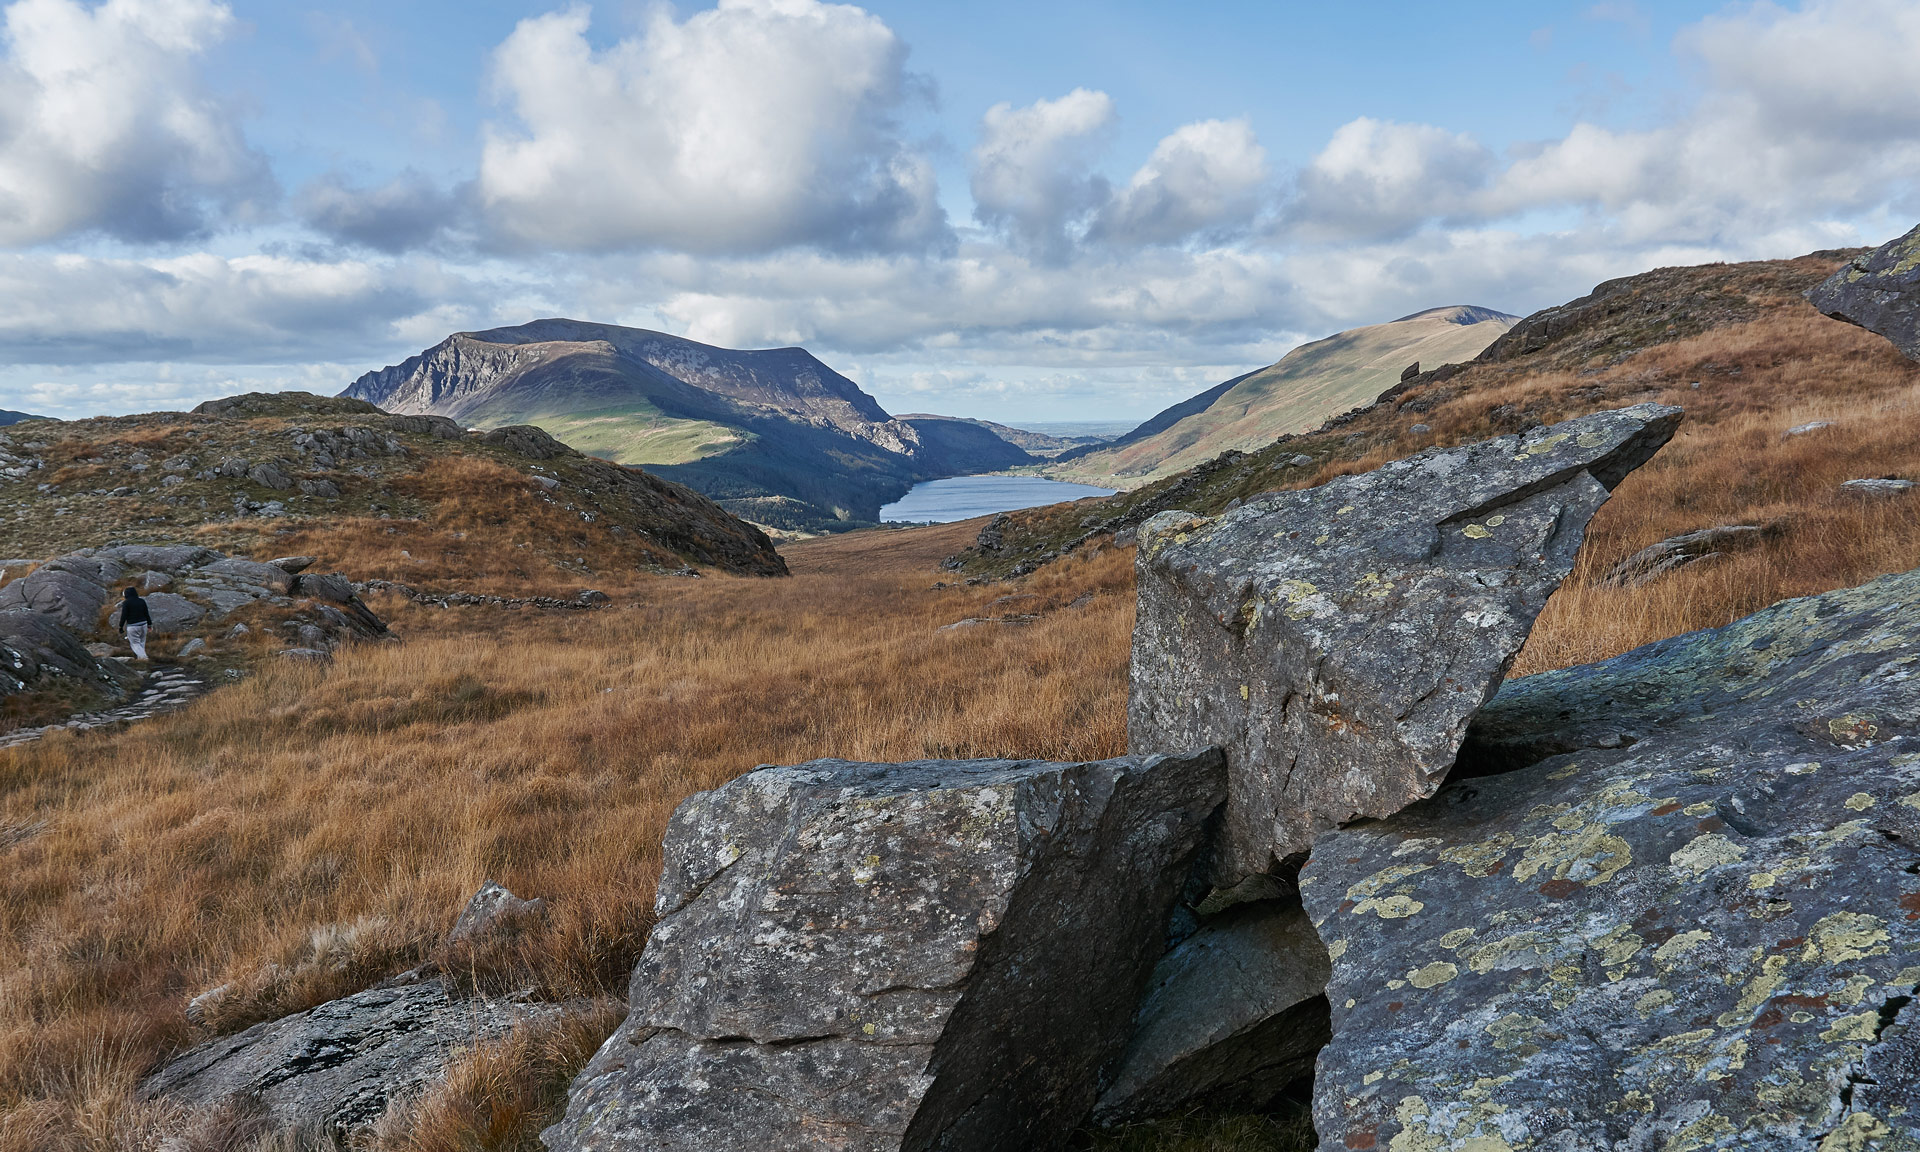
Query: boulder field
{"type": "Point", "coordinates": [1668, 901]}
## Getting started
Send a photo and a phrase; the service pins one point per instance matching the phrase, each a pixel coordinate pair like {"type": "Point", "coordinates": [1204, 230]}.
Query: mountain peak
{"type": "Point", "coordinates": [1464, 314]}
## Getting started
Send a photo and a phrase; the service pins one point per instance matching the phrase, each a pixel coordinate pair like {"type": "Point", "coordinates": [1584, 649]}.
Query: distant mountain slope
{"type": "Point", "coordinates": [967, 445]}
{"type": "Point", "coordinates": [10, 417]}
{"type": "Point", "coordinates": [1309, 384]}
{"type": "Point", "coordinates": [774, 434]}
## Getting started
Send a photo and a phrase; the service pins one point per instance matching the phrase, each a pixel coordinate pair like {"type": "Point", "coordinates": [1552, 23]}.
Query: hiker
{"type": "Point", "coordinates": [134, 619]}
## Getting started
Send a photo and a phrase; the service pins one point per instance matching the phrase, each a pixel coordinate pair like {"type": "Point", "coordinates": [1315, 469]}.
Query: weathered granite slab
{"type": "Point", "coordinates": [1335, 641]}
{"type": "Point", "coordinates": [932, 955]}
{"type": "Point", "coordinates": [1693, 922]}
{"type": "Point", "coordinates": [1880, 292]}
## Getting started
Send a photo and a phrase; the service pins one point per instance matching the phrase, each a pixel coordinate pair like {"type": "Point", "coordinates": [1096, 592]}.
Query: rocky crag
{"type": "Point", "coordinates": [269, 473]}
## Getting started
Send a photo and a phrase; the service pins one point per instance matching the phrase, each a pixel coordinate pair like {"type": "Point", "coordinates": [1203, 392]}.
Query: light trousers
{"type": "Point", "coordinates": [137, 636]}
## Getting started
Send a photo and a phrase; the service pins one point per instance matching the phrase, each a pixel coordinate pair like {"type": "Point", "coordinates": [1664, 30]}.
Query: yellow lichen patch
{"type": "Point", "coordinates": [1479, 859]}
{"type": "Point", "coordinates": [1652, 1002]}
{"type": "Point", "coordinates": [1669, 954]}
{"type": "Point", "coordinates": [1433, 975]}
{"type": "Point", "coordinates": [1373, 587]}
{"type": "Point", "coordinates": [1302, 599]}
{"type": "Point", "coordinates": [1496, 521]}
{"type": "Point", "coordinates": [1860, 801]}
{"type": "Point", "coordinates": [1591, 855]}
{"type": "Point", "coordinates": [1542, 447]}
{"type": "Point", "coordinates": [1384, 879]}
{"type": "Point", "coordinates": [1487, 957]}
{"type": "Point", "coordinates": [1475, 532]}
{"type": "Point", "coordinates": [1759, 881]}
{"type": "Point", "coordinates": [1702, 854]}
{"type": "Point", "coordinates": [1389, 908]}
{"type": "Point", "coordinates": [1702, 1133]}
{"type": "Point", "coordinates": [1859, 1132]}
{"type": "Point", "coordinates": [1905, 977]}
{"type": "Point", "coordinates": [1854, 992]}
{"type": "Point", "coordinates": [1372, 1077]}
{"type": "Point", "coordinates": [1912, 801]}
{"type": "Point", "coordinates": [1514, 1030]}
{"type": "Point", "coordinates": [1591, 440]}
{"type": "Point", "coordinates": [1459, 936]}
{"type": "Point", "coordinates": [1616, 948]}
{"type": "Point", "coordinates": [1854, 728]}
{"type": "Point", "coordinates": [1336, 949]}
{"type": "Point", "coordinates": [1322, 538]}
{"type": "Point", "coordinates": [1244, 692]}
{"type": "Point", "coordinates": [1567, 773]}
{"type": "Point", "coordinates": [1759, 990]}
{"type": "Point", "coordinates": [1700, 809]}
{"type": "Point", "coordinates": [1805, 768]}
{"type": "Point", "coordinates": [1858, 1027]}
{"type": "Point", "coordinates": [1846, 936]}
{"type": "Point", "coordinates": [1343, 511]}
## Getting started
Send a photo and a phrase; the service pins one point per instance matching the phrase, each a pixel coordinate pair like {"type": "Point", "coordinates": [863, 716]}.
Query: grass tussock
{"type": "Point", "coordinates": [301, 834]}
{"type": "Point", "coordinates": [498, 1098]}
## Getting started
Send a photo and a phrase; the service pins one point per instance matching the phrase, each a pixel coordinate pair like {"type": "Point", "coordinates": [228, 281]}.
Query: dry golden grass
{"type": "Point", "coordinates": [304, 832]}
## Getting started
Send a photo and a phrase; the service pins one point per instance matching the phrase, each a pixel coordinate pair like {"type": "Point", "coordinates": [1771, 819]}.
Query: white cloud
{"type": "Point", "coordinates": [1377, 178]}
{"type": "Point", "coordinates": [753, 126]}
{"type": "Point", "coordinates": [407, 212]}
{"type": "Point", "coordinates": [1204, 176]}
{"type": "Point", "coordinates": [1033, 168]}
{"type": "Point", "coordinates": [211, 309]}
{"type": "Point", "coordinates": [105, 127]}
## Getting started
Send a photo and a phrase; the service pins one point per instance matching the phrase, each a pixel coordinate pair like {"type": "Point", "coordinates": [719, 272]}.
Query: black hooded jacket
{"type": "Point", "coordinates": [133, 610]}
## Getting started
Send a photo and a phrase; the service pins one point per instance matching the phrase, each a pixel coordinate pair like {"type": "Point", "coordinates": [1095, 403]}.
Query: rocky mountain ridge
{"type": "Point", "coordinates": [774, 435]}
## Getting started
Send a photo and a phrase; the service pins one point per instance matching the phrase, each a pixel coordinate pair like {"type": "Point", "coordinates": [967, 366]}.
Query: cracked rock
{"type": "Point", "coordinates": [1706, 936]}
{"type": "Point", "coordinates": [1335, 641]}
{"type": "Point", "coordinates": [329, 1070]}
{"type": "Point", "coordinates": [932, 955]}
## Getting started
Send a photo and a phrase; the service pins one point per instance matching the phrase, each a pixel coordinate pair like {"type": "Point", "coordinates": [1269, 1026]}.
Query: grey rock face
{"type": "Point", "coordinates": [34, 647]}
{"type": "Point", "coordinates": [1335, 641]}
{"type": "Point", "coordinates": [292, 564]}
{"type": "Point", "coordinates": [326, 1071]}
{"type": "Point", "coordinates": [160, 557]}
{"type": "Point", "coordinates": [492, 909]}
{"type": "Point", "coordinates": [1879, 292]}
{"type": "Point", "coordinates": [1705, 544]}
{"type": "Point", "coordinates": [170, 612]}
{"type": "Point", "coordinates": [933, 955]}
{"type": "Point", "coordinates": [69, 597]}
{"type": "Point", "coordinates": [269, 475]}
{"type": "Point", "coordinates": [1234, 1014]}
{"type": "Point", "coordinates": [1692, 921]}
{"type": "Point", "coordinates": [252, 572]}
{"type": "Point", "coordinates": [1878, 486]}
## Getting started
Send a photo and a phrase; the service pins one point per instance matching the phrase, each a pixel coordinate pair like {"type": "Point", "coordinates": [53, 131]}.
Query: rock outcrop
{"type": "Point", "coordinates": [1336, 641]}
{"type": "Point", "coordinates": [1676, 552]}
{"type": "Point", "coordinates": [1879, 291]}
{"type": "Point", "coordinates": [322, 1073]}
{"type": "Point", "coordinates": [933, 955]}
{"type": "Point", "coordinates": [1688, 918]}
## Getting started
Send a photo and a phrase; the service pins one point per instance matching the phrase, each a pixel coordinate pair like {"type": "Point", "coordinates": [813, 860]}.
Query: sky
{"type": "Point", "coordinates": [1050, 210]}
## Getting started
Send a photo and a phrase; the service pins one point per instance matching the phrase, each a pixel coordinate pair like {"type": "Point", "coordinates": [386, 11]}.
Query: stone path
{"type": "Point", "coordinates": [166, 689]}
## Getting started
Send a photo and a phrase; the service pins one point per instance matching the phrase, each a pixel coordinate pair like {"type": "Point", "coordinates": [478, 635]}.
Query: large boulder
{"type": "Point", "coordinates": [243, 571]}
{"type": "Point", "coordinates": [1335, 641]}
{"type": "Point", "coordinates": [1880, 292]}
{"type": "Point", "coordinates": [73, 598]}
{"type": "Point", "coordinates": [36, 650]}
{"type": "Point", "coordinates": [160, 557]}
{"type": "Point", "coordinates": [170, 611]}
{"type": "Point", "coordinates": [324, 1072]}
{"type": "Point", "coordinates": [1688, 917]}
{"type": "Point", "coordinates": [932, 955]}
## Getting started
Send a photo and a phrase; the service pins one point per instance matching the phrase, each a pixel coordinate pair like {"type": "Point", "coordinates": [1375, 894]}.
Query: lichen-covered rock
{"type": "Point", "coordinates": [73, 598]}
{"type": "Point", "coordinates": [493, 909]}
{"type": "Point", "coordinates": [933, 955]}
{"type": "Point", "coordinates": [1335, 641]}
{"type": "Point", "coordinates": [1880, 292]}
{"type": "Point", "coordinates": [1234, 1014]}
{"type": "Point", "coordinates": [331, 1069]}
{"type": "Point", "coordinates": [1692, 922]}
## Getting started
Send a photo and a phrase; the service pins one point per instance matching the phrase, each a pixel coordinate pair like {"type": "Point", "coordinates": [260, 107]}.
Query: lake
{"type": "Point", "coordinates": [964, 497]}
